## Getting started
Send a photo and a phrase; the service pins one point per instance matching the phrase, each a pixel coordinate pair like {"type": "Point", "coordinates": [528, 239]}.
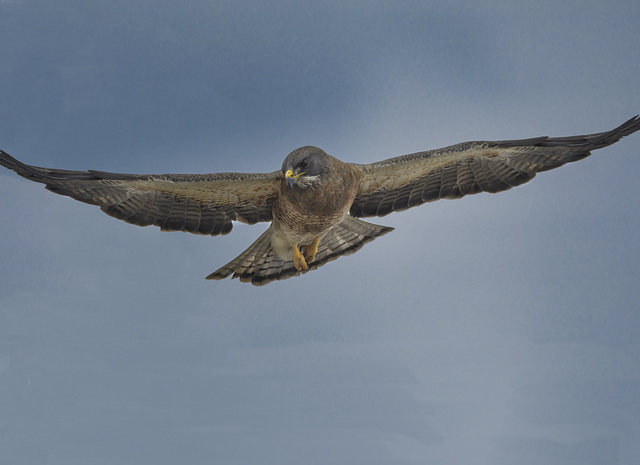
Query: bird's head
{"type": "Point", "coordinates": [306, 167]}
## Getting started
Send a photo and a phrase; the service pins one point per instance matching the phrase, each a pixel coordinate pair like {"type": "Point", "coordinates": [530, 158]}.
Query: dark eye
{"type": "Point", "coordinates": [303, 164]}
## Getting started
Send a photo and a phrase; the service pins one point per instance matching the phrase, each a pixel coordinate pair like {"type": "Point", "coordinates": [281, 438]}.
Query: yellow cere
{"type": "Point", "coordinates": [289, 174]}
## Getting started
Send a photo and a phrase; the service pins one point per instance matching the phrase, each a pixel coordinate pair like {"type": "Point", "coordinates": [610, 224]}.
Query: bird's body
{"type": "Point", "coordinates": [302, 214]}
{"type": "Point", "coordinates": [315, 200]}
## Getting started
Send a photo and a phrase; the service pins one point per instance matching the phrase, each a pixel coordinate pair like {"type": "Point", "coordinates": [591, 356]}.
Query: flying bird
{"type": "Point", "coordinates": [314, 201]}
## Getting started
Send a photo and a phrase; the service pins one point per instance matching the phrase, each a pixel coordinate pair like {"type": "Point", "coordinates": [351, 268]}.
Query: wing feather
{"type": "Point", "coordinates": [471, 167]}
{"type": "Point", "coordinates": [201, 204]}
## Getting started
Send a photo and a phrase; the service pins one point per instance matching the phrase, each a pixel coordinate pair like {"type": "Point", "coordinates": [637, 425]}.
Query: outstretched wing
{"type": "Point", "coordinates": [471, 167]}
{"type": "Point", "coordinates": [200, 204]}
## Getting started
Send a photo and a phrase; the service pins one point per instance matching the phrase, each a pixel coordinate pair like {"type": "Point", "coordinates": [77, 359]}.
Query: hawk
{"type": "Point", "coordinates": [314, 201]}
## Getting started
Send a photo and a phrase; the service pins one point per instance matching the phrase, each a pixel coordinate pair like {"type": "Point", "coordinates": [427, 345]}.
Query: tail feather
{"type": "Point", "coordinates": [260, 265]}
{"type": "Point", "coordinates": [246, 259]}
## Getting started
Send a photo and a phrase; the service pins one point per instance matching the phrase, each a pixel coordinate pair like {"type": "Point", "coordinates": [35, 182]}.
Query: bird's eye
{"type": "Point", "coordinates": [303, 164]}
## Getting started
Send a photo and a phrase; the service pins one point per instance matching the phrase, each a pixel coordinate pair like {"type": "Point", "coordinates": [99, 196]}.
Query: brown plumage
{"type": "Point", "coordinates": [313, 202]}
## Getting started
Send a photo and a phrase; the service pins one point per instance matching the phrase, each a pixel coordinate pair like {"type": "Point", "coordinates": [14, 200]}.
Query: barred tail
{"type": "Point", "coordinates": [260, 265]}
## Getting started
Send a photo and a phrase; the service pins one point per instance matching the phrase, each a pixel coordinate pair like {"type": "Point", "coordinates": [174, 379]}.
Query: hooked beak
{"type": "Point", "coordinates": [291, 178]}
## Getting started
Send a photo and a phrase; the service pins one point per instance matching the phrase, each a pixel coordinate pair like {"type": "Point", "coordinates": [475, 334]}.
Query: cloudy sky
{"type": "Point", "coordinates": [495, 329]}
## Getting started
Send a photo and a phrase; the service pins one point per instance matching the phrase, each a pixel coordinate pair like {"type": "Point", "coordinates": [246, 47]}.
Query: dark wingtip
{"type": "Point", "coordinates": [599, 140]}
{"type": "Point", "coordinates": [628, 127]}
{"type": "Point", "coordinates": [217, 275]}
{"type": "Point", "coordinates": [9, 162]}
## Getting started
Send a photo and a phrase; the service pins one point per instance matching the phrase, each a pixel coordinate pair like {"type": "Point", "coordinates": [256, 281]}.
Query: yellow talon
{"type": "Point", "coordinates": [311, 250]}
{"type": "Point", "coordinates": [298, 259]}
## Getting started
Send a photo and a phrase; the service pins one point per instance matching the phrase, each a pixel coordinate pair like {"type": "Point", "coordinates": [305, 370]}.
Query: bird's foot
{"type": "Point", "coordinates": [310, 250]}
{"type": "Point", "coordinates": [298, 259]}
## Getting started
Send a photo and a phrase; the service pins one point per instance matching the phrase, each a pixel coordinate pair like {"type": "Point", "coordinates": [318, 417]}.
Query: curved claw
{"type": "Point", "coordinates": [298, 259]}
{"type": "Point", "coordinates": [310, 250]}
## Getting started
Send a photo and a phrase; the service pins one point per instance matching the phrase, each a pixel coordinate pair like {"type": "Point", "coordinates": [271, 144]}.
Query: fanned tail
{"type": "Point", "coordinates": [260, 265]}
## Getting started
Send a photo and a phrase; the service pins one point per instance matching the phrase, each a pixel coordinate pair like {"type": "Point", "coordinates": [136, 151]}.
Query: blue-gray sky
{"type": "Point", "coordinates": [493, 329]}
